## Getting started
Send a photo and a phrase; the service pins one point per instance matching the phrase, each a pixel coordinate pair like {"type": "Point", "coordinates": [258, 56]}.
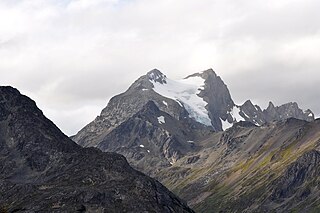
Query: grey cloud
{"type": "Point", "coordinates": [71, 56]}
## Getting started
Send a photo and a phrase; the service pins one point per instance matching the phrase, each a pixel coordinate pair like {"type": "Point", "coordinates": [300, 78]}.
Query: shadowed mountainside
{"type": "Point", "coordinates": [42, 170]}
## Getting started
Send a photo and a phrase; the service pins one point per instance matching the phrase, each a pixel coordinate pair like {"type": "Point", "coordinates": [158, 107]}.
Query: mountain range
{"type": "Point", "coordinates": [202, 97]}
{"type": "Point", "coordinates": [217, 155]}
{"type": "Point", "coordinates": [188, 135]}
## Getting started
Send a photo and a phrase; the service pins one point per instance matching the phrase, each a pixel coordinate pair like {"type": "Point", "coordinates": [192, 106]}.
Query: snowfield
{"type": "Point", "coordinates": [185, 92]}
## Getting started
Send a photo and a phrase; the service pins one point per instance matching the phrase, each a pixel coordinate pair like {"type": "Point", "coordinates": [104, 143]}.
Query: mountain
{"type": "Point", "coordinates": [42, 170]}
{"type": "Point", "coordinates": [217, 155]}
{"type": "Point", "coordinates": [201, 98]}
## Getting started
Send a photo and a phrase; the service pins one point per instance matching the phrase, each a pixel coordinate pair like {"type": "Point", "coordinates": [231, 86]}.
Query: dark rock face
{"type": "Point", "coordinates": [217, 95]}
{"type": "Point", "coordinates": [42, 170]}
{"type": "Point", "coordinates": [300, 180]}
{"type": "Point", "coordinates": [154, 139]}
{"type": "Point", "coordinates": [289, 110]}
{"type": "Point", "coordinates": [254, 114]}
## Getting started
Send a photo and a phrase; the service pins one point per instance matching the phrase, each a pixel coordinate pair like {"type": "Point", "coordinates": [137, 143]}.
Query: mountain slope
{"type": "Point", "coordinates": [252, 169]}
{"type": "Point", "coordinates": [42, 170]}
{"type": "Point", "coordinates": [154, 139]}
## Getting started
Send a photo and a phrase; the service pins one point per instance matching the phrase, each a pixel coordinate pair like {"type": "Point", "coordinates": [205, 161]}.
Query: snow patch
{"type": "Point", "coordinates": [161, 120]}
{"type": "Point", "coordinates": [190, 141]}
{"type": "Point", "coordinates": [148, 151]}
{"type": "Point", "coordinates": [246, 115]}
{"type": "Point", "coordinates": [141, 146]}
{"type": "Point", "coordinates": [165, 103]}
{"type": "Point", "coordinates": [256, 123]}
{"type": "Point", "coordinates": [236, 114]}
{"type": "Point", "coordinates": [179, 102]}
{"type": "Point", "coordinates": [144, 89]}
{"type": "Point", "coordinates": [185, 92]}
{"type": "Point", "coordinates": [157, 77]}
{"type": "Point", "coordinates": [236, 117]}
{"type": "Point", "coordinates": [225, 124]}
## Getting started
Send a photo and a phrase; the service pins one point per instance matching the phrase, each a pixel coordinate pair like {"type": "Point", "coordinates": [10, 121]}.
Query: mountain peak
{"type": "Point", "coordinates": [157, 76]}
{"type": "Point", "coordinates": [270, 105]}
{"type": "Point", "coordinates": [8, 93]}
{"type": "Point", "coordinates": [209, 71]}
{"type": "Point", "coordinates": [204, 74]}
{"type": "Point", "coordinates": [248, 102]}
{"type": "Point", "coordinates": [4, 89]}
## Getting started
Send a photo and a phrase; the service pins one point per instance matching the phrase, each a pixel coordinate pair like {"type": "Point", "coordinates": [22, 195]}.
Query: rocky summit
{"type": "Point", "coordinates": [42, 170]}
{"type": "Point", "coordinates": [217, 155]}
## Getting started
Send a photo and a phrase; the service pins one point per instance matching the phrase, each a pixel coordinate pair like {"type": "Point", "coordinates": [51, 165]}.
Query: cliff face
{"type": "Point", "coordinates": [42, 170]}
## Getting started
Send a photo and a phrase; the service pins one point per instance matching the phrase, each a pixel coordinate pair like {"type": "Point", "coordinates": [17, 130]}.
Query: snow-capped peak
{"type": "Point", "coordinates": [157, 76]}
{"type": "Point", "coordinates": [204, 74]}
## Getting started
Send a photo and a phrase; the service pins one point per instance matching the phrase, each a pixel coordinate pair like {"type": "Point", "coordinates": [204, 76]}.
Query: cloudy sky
{"type": "Point", "coordinates": [71, 56]}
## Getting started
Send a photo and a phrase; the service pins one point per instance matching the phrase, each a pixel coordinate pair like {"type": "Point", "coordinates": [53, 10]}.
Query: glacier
{"type": "Point", "coordinates": [186, 93]}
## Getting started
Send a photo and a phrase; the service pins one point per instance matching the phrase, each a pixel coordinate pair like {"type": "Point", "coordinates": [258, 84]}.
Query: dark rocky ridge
{"type": "Point", "coordinates": [253, 113]}
{"type": "Point", "coordinates": [42, 170]}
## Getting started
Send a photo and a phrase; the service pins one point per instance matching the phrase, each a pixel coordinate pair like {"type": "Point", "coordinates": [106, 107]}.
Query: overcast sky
{"type": "Point", "coordinates": [71, 56]}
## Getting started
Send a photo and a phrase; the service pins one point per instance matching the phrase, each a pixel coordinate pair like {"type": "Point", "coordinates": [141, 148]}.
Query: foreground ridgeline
{"type": "Point", "coordinates": [42, 170]}
{"type": "Point", "coordinates": [215, 154]}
